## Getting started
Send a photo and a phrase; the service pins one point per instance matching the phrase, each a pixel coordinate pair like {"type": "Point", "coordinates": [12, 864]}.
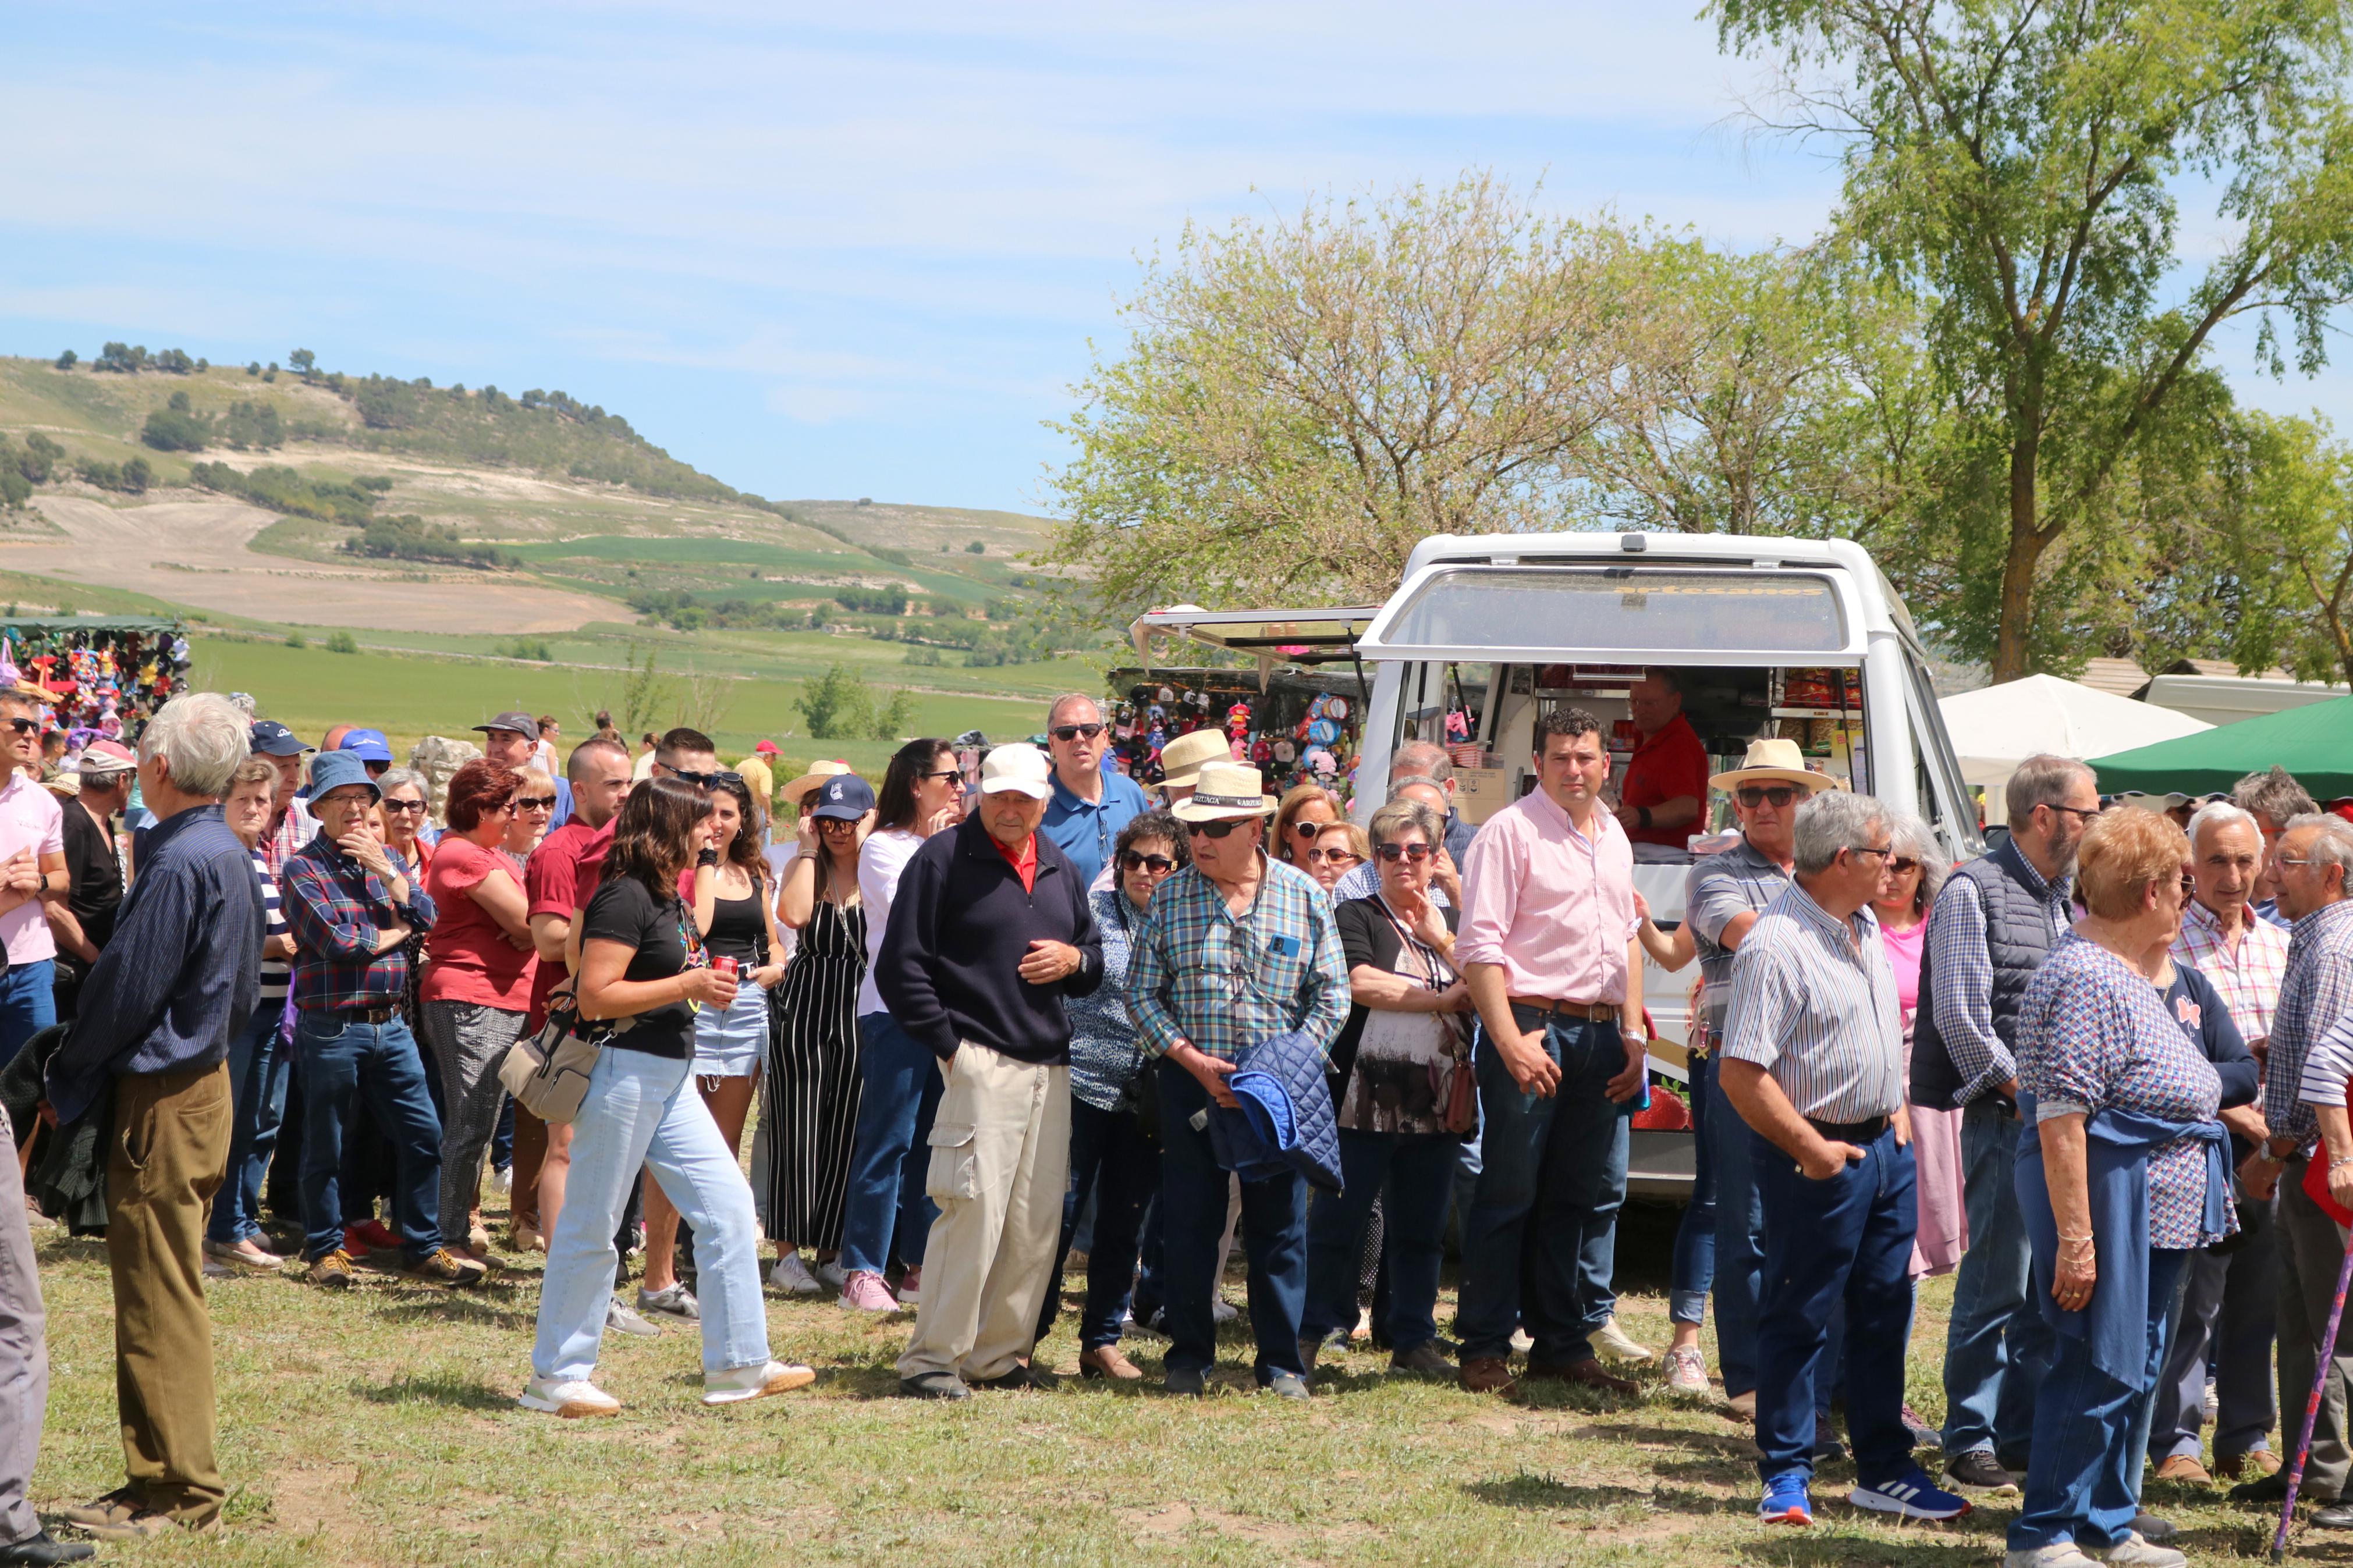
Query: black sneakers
{"type": "Point", "coordinates": [1981, 1471]}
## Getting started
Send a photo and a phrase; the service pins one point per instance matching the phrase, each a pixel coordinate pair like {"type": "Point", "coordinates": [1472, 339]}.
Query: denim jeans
{"type": "Point", "coordinates": [1846, 1238]}
{"type": "Point", "coordinates": [344, 1061]}
{"type": "Point", "coordinates": [1110, 1158]}
{"type": "Point", "coordinates": [1695, 1266]}
{"type": "Point", "coordinates": [2228, 1304]}
{"type": "Point", "coordinates": [1413, 1176]}
{"type": "Point", "coordinates": [259, 1062]}
{"type": "Point", "coordinates": [1193, 1222]}
{"type": "Point", "coordinates": [1739, 1260]}
{"type": "Point", "coordinates": [28, 1003]}
{"type": "Point", "coordinates": [642, 1112]}
{"type": "Point", "coordinates": [1551, 1182]}
{"type": "Point", "coordinates": [2084, 1481]}
{"type": "Point", "coordinates": [900, 1092]}
{"type": "Point", "coordinates": [1995, 1331]}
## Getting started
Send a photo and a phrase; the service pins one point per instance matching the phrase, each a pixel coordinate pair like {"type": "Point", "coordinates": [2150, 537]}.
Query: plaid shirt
{"type": "Point", "coordinates": [2247, 980]}
{"type": "Point", "coordinates": [2317, 991]}
{"type": "Point", "coordinates": [336, 908]}
{"type": "Point", "coordinates": [1199, 973]}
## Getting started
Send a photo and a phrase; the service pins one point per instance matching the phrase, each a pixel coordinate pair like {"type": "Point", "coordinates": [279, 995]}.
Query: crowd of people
{"type": "Point", "coordinates": [992, 1025]}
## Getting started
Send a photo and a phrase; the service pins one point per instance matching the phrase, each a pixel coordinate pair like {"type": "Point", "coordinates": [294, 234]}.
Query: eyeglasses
{"type": "Point", "coordinates": [1902, 865]}
{"type": "Point", "coordinates": [535, 803]}
{"type": "Point", "coordinates": [2298, 860]}
{"type": "Point", "coordinates": [1396, 852]}
{"type": "Point", "coordinates": [1158, 865]}
{"type": "Point", "coordinates": [1883, 850]}
{"type": "Point", "coordinates": [1332, 856]}
{"type": "Point", "coordinates": [1072, 731]}
{"type": "Point", "coordinates": [24, 726]}
{"type": "Point", "coordinates": [1757, 794]}
{"type": "Point", "coordinates": [2079, 811]}
{"type": "Point", "coordinates": [406, 806]}
{"type": "Point", "coordinates": [1217, 830]}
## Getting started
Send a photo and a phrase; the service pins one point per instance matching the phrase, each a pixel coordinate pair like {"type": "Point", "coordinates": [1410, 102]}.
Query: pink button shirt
{"type": "Point", "coordinates": [30, 818]}
{"type": "Point", "coordinates": [1550, 906]}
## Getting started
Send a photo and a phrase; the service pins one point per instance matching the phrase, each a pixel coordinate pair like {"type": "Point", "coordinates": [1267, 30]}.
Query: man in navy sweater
{"type": "Point", "coordinates": [990, 932]}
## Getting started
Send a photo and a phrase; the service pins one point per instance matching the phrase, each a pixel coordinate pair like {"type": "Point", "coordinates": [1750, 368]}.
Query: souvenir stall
{"type": "Point", "coordinates": [100, 676]}
{"type": "Point", "coordinates": [1301, 725]}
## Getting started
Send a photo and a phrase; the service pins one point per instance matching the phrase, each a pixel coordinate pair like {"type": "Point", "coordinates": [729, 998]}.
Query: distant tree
{"type": "Point", "coordinates": [296, 639]}
{"type": "Point", "coordinates": [975, 548]}
{"type": "Point", "coordinates": [252, 425]}
{"type": "Point", "coordinates": [68, 360]}
{"type": "Point", "coordinates": [203, 364]}
{"type": "Point", "coordinates": [174, 430]}
{"type": "Point", "coordinates": [137, 476]}
{"type": "Point", "coordinates": [253, 368]}
{"type": "Point", "coordinates": [120, 359]}
{"type": "Point", "coordinates": [178, 403]}
{"type": "Point", "coordinates": [273, 367]}
{"type": "Point", "coordinates": [342, 642]}
{"type": "Point", "coordinates": [14, 489]}
{"type": "Point", "coordinates": [175, 362]}
{"type": "Point", "coordinates": [38, 461]}
{"type": "Point", "coordinates": [303, 361]}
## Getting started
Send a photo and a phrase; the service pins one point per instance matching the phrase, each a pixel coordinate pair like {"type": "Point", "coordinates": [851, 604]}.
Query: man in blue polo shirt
{"type": "Point", "coordinates": [1088, 805]}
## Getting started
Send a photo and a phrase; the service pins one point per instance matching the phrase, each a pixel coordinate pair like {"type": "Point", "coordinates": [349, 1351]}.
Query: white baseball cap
{"type": "Point", "coordinates": [1020, 766]}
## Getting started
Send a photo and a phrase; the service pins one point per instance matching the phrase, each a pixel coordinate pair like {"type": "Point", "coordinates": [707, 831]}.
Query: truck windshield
{"type": "Point", "coordinates": [1620, 613]}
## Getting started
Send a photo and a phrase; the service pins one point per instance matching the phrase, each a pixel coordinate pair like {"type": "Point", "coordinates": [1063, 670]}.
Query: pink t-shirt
{"type": "Point", "coordinates": [468, 957]}
{"type": "Point", "coordinates": [30, 818]}
{"type": "Point", "coordinates": [1553, 907]}
{"type": "Point", "coordinates": [1903, 955]}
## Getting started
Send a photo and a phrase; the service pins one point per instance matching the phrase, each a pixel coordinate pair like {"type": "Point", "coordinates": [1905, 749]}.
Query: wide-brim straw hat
{"type": "Point", "coordinates": [1226, 791]}
{"type": "Point", "coordinates": [1779, 762]}
{"type": "Point", "coordinates": [1182, 758]}
{"type": "Point", "coordinates": [818, 773]}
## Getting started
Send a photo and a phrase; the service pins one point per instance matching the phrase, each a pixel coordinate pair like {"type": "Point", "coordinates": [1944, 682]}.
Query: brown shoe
{"type": "Point", "coordinates": [1591, 1373]}
{"type": "Point", "coordinates": [112, 1509]}
{"type": "Point", "coordinates": [1488, 1375]}
{"type": "Point", "coordinates": [2252, 1463]}
{"type": "Point", "coordinates": [445, 1267]}
{"type": "Point", "coordinates": [333, 1270]}
{"type": "Point", "coordinates": [2183, 1467]}
{"type": "Point", "coordinates": [1105, 1361]}
{"type": "Point", "coordinates": [1744, 1405]}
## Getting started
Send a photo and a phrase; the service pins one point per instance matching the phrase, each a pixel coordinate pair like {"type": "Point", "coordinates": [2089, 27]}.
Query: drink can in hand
{"type": "Point", "coordinates": [724, 966]}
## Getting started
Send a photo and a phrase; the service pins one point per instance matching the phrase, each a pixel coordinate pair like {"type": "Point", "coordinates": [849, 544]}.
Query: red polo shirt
{"type": "Point", "coordinates": [1024, 860]}
{"type": "Point", "coordinates": [1670, 764]}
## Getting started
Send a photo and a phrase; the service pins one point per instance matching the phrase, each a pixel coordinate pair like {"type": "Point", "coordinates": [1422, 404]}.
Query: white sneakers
{"type": "Point", "coordinates": [1686, 1370]}
{"type": "Point", "coordinates": [792, 1276]}
{"type": "Point", "coordinates": [758, 1381]}
{"type": "Point", "coordinates": [1610, 1342]}
{"type": "Point", "coordinates": [570, 1398]}
{"type": "Point", "coordinates": [2131, 1551]}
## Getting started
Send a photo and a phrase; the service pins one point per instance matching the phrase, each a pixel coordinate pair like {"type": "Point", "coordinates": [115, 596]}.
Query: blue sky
{"type": "Point", "coordinates": [816, 254]}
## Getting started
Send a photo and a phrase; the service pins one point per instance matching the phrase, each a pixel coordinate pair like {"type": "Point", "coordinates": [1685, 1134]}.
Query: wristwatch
{"type": "Point", "coordinates": [1642, 815]}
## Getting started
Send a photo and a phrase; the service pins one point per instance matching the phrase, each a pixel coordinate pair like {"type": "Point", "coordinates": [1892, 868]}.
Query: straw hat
{"type": "Point", "coordinates": [1778, 760]}
{"type": "Point", "coordinates": [818, 773]}
{"type": "Point", "coordinates": [1182, 758]}
{"type": "Point", "coordinates": [1223, 791]}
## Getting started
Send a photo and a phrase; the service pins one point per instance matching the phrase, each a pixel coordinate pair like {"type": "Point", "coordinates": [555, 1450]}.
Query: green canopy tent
{"type": "Point", "coordinates": [2314, 744]}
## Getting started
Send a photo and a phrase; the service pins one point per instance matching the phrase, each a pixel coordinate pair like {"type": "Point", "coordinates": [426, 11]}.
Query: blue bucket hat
{"type": "Point", "coordinates": [332, 770]}
{"type": "Point", "coordinates": [845, 797]}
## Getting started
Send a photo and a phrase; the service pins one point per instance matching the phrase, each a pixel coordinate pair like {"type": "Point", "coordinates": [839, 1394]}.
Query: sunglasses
{"type": "Point", "coordinates": [535, 803]}
{"type": "Point", "coordinates": [1217, 829]}
{"type": "Point", "coordinates": [24, 726]}
{"type": "Point", "coordinates": [943, 774]}
{"type": "Point", "coordinates": [1155, 864]}
{"type": "Point", "coordinates": [1396, 852]}
{"type": "Point", "coordinates": [1306, 830]}
{"type": "Point", "coordinates": [700, 781]}
{"type": "Point", "coordinates": [1072, 731]}
{"type": "Point", "coordinates": [1332, 856]}
{"type": "Point", "coordinates": [406, 806]}
{"type": "Point", "coordinates": [1902, 864]}
{"type": "Point", "coordinates": [834, 824]}
{"type": "Point", "coordinates": [1757, 794]}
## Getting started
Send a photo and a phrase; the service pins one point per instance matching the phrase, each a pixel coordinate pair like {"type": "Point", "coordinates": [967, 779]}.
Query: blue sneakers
{"type": "Point", "coordinates": [1909, 1496]}
{"type": "Point", "coordinates": [1786, 1501]}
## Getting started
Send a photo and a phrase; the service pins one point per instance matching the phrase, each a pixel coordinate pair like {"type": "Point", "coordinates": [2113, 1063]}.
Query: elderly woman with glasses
{"type": "Point", "coordinates": [477, 986]}
{"type": "Point", "coordinates": [535, 805]}
{"type": "Point", "coordinates": [407, 806]}
{"type": "Point", "coordinates": [1399, 1063]}
{"type": "Point", "coordinates": [2126, 1177]}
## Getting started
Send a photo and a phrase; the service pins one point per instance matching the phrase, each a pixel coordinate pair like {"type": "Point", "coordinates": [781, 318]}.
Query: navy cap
{"type": "Point", "coordinates": [271, 739]}
{"type": "Point", "coordinates": [845, 797]}
{"type": "Point", "coordinates": [369, 745]}
{"type": "Point", "coordinates": [331, 771]}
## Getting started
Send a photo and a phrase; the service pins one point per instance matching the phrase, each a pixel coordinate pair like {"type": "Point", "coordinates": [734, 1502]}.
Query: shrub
{"type": "Point", "coordinates": [68, 360]}
{"type": "Point", "coordinates": [839, 706]}
{"type": "Point", "coordinates": [174, 430]}
{"type": "Point", "coordinates": [976, 548]}
{"type": "Point", "coordinates": [530, 649]}
{"type": "Point", "coordinates": [39, 460]}
{"type": "Point", "coordinates": [120, 359]}
{"type": "Point", "coordinates": [137, 476]}
{"type": "Point", "coordinates": [253, 425]}
{"type": "Point", "coordinates": [296, 639]}
{"type": "Point", "coordinates": [175, 362]}
{"type": "Point", "coordinates": [15, 490]}
{"type": "Point", "coordinates": [342, 642]}
{"type": "Point", "coordinates": [412, 539]}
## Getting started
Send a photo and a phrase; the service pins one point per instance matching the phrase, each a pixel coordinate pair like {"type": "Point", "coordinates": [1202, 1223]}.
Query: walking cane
{"type": "Point", "coordinates": [2312, 1405]}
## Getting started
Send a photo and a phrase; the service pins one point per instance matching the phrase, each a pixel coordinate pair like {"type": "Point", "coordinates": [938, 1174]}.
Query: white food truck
{"type": "Point", "coordinates": [1800, 638]}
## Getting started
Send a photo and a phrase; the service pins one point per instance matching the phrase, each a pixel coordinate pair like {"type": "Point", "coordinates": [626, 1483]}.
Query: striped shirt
{"type": "Point", "coordinates": [1961, 977]}
{"type": "Point", "coordinates": [1813, 1003]}
{"type": "Point", "coordinates": [276, 974]}
{"type": "Point", "coordinates": [2315, 993]}
{"type": "Point", "coordinates": [1718, 889]}
{"type": "Point", "coordinates": [2249, 979]}
{"type": "Point", "coordinates": [1225, 981]}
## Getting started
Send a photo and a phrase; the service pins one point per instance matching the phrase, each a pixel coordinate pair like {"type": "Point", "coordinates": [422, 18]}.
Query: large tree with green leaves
{"type": "Point", "coordinates": [2023, 165]}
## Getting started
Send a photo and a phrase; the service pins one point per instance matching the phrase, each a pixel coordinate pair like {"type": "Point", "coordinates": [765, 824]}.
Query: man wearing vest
{"type": "Point", "coordinates": [1996, 922]}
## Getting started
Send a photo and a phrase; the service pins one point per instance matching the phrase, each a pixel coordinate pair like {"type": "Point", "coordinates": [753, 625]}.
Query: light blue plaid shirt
{"type": "Point", "coordinates": [2316, 992]}
{"type": "Point", "coordinates": [1198, 972]}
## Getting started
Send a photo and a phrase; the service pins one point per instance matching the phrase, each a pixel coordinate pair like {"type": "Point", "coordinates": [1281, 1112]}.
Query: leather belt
{"type": "Point", "coordinates": [1849, 1132]}
{"type": "Point", "coordinates": [367, 1015]}
{"type": "Point", "coordinates": [1586, 1012]}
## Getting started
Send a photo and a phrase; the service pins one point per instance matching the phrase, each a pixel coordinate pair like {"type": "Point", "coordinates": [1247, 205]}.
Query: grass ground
{"type": "Point", "coordinates": [379, 1427]}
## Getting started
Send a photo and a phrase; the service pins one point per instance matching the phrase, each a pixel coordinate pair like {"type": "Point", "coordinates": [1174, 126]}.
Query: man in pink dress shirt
{"type": "Point", "coordinates": [32, 868]}
{"type": "Point", "coordinates": [1546, 948]}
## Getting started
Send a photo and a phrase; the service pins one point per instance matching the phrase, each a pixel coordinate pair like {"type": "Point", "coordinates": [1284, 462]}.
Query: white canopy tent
{"type": "Point", "coordinates": [1995, 727]}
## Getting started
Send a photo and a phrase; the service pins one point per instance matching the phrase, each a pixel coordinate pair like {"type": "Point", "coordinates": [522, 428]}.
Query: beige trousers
{"type": "Point", "coordinates": [1001, 1161]}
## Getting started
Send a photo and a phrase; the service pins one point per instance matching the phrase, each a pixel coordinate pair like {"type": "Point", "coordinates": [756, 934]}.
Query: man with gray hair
{"type": "Point", "coordinates": [2314, 855]}
{"type": "Point", "coordinates": [1089, 806]}
{"type": "Point", "coordinates": [1812, 1059]}
{"type": "Point", "coordinates": [1996, 922]}
{"type": "Point", "coordinates": [1428, 761]}
{"type": "Point", "coordinates": [174, 986]}
{"type": "Point", "coordinates": [2274, 799]}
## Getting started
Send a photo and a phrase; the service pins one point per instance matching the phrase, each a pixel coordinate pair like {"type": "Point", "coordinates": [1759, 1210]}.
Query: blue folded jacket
{"type": "Point", "coordinates": [1284, 1121]}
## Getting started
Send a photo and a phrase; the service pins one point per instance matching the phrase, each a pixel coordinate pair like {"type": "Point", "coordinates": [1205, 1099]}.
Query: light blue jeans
{"type": "Point", "coordinates": [642, 1110]}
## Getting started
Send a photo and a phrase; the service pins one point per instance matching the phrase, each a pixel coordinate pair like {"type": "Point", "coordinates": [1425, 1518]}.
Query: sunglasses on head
{"type": "Point", "coordinates": [1217, 830]}
{"type": "Point", "coordinates": [1757, 794]}
{"type": "Point", "coordinates": [1306, 830]}
{"type": "Point", "coordinates": [1395, 852]}
{"type": "Point", "coordinates": [1072, 731]}
{"type": "Point", "coordinates": [1155, 864]}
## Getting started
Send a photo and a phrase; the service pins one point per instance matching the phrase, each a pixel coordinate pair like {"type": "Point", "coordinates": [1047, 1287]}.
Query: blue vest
{"type": "Point", "coordinates": [2018, 937]}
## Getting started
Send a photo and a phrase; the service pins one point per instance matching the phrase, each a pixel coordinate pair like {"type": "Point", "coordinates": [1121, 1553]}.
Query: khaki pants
{"type": "Point", "coordinates": [170, 1152]}
{"type": "Point", "coordinates": [1000, 1160]}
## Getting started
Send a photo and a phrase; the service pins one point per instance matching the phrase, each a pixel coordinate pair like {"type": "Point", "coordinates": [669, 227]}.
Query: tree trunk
{"type": "Point", "coordinates": [2017, 617]}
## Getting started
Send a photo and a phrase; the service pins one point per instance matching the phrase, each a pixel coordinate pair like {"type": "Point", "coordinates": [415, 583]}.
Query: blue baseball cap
{"type": "Point", "coordinates": [330, 770]}
{"type": "Point", "coordinates": [369, 745]}
{"type": "Point", "coordinates": [845, 797]}
{"type": "Point", "coordinates": [271, 739]}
